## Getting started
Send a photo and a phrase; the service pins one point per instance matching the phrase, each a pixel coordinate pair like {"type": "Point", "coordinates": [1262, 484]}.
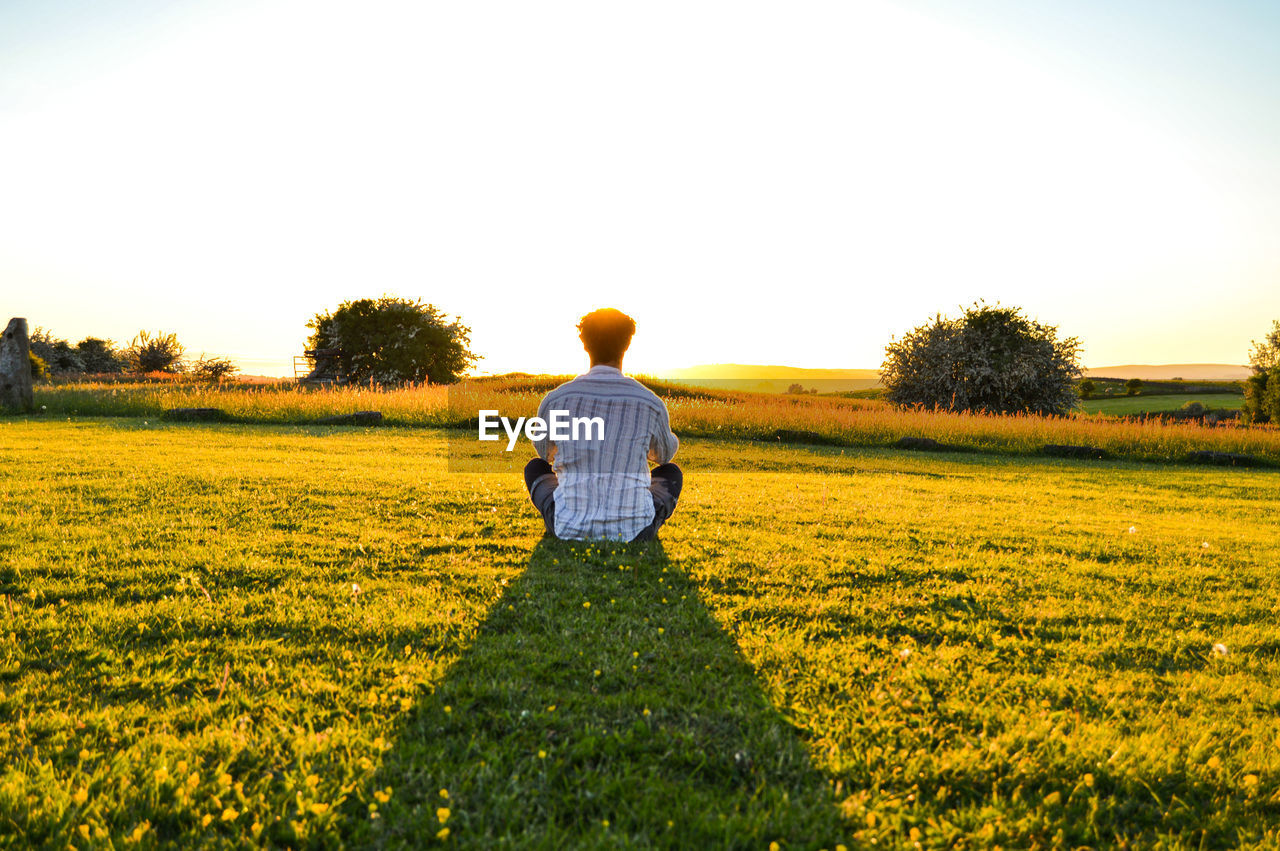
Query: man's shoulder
{"type": "Point", "coordinates": [613, 386]}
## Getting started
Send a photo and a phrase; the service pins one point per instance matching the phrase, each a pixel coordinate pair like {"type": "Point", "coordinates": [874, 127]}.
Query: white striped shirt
{"type": "Point", "coordinates": [603, 490]}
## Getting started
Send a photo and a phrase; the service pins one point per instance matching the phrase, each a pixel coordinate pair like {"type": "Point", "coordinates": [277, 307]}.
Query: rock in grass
{"type": "Point", "coordinates": [923, 444]}
{"type": "Point", "coordinates": [196, 415]}
{"type": "Point", "coordinates": [360, 418]}
{"type": "Point", "coordinates": [15, 368]}
{"type": "Point", "coordinates": [1223, 459]}
{"type": "Point", "coordinates": [1065, 451]}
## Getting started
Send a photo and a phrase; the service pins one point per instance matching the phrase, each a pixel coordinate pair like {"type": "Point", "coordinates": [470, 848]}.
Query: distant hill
{"type": "Point", "coordinates": [1167, 371]}
{"type": "Point", "coordinates": [772, 378]}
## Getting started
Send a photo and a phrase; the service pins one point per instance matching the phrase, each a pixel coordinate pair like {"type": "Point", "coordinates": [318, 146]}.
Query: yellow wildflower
{"type": "Point", "coordinates": [442, 813]}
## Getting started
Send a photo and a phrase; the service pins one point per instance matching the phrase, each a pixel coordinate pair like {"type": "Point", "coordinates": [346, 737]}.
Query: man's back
{"type": "Point", "coordinates": [603, 490]}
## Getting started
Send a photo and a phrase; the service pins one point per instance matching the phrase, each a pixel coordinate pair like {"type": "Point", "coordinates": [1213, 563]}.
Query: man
{"type": "Point", "coordinates": [600, 486]}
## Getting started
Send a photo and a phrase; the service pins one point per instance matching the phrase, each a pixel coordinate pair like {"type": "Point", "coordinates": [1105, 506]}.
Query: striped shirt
{"type": "Point", "coordinates": [603, 490]}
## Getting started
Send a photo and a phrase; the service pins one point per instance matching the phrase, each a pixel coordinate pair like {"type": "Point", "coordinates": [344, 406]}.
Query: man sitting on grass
{"type": "Point", "coordinates": [600, 486]}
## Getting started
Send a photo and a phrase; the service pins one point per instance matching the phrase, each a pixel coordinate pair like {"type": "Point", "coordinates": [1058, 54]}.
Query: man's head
{"type": "Point", "coordinates": [606, 334]}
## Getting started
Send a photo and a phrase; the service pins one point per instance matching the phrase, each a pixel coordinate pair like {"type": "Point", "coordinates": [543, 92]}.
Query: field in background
{"type": "Point", "coordinates": [231, 635]}
{"type": "Point", "coordinates": [694, 412]}
{"type": "Point", "coordinates": [1122, 405]}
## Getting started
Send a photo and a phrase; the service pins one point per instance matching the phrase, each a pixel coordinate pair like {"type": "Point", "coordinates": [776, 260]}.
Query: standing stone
{"type": "Point", "coordinates": [15, 368]}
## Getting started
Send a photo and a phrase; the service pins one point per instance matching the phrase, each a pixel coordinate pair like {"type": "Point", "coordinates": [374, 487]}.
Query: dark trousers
{"type": "Point", "coordinates": [665, 482]}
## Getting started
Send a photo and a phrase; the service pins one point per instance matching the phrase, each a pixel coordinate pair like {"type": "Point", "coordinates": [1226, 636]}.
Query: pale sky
{"type": "Point", "coordinates": [774, 183]}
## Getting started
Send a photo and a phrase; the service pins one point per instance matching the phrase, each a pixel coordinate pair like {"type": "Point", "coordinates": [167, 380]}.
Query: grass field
{"type": "Point", "coordinates": [1122, 405]}
{"type": "Point", "coordinates": [224, 636]}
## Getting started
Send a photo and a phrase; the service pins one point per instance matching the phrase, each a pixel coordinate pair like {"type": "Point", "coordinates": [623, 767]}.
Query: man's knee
{"type": "Point", "coordinates": [671, 476]}
{"type": "Point", "coordinates": [534, 470]}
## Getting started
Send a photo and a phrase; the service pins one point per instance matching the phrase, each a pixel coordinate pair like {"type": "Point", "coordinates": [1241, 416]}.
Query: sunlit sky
{"type": "Point", "coordinates": [772, 183]}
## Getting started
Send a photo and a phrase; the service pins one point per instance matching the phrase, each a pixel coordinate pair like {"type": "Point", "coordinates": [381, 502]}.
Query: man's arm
{"type": "Point", "coordinates": [662, 442]}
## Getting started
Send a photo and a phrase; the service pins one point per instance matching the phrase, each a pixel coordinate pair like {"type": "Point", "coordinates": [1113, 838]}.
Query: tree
{"type": "Point", "coordinates": [1262, 389]}
{"type": "Point", "coordinates": [59, 356]}
{"type": "Point", "coordinates": [1087, 388]}
{"type": "Point", "coordinates": [1264, 355]}
{"type": "Point", "coordinates": [390, 340]}
{"type": "Point", "coordinates": [1132, 386]}
{"type": "Point", "coordinates": [991, 359]}
{"type": "Point", "coordinates": [161, 353]}
{"type": "Point", "coordinates": [99, 356]}
{"type": "Point", "coordinates": [91, 354]}
{"type": "Point", "coordinates": [796, 388]}
{"type": "Point", "coordinates": [214, 368]}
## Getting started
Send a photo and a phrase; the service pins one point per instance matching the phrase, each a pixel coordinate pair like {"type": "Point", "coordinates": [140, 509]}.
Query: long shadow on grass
{"type": "Point", "coordinates": [600, 705]}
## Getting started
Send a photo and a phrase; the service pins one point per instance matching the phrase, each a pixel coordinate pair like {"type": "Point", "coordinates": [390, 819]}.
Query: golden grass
{"type": "Point", "coordinates": [694, 411]}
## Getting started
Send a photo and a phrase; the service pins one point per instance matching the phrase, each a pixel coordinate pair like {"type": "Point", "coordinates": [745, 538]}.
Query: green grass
{"type": "Point", "coordinates": [960, 651]}
{"type": "Point", "coordinates": [1123, 405]}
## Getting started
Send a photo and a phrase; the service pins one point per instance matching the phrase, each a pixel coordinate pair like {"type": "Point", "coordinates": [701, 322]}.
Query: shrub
{"type": "Point", "coordinates": [1264, 355]}
{"type": "Point", "coordinates": [39, 369]}
{"type": "Point", "coordinates": [1271, 396]}
{"type": "Point", "coordinates": [99, 356]}
{"type": "Point", "coordinates": [1087, 388]}
{"type": "Point", "coordinates": [161, 353]}
{"type": "Point", "coordinates": [989, 360]}
{"type": "Point", "coordinates": [1262, 397]}
{"type": "Point", "coordinates": [59, 356]}
{"type": "Point", "coordinates": [1262, 389]}
{"type": "Point", "coordinates": [392, 340]}
{"type": "Point", "coordinates": [1132, 386]}
{"type": "Point", "coordinates": [1192, 409]}
{"type": "Point", "coordinates": [214, 368]}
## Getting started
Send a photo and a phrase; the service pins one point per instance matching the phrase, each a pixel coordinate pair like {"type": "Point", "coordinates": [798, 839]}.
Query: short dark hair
{"type": "Point", "coordinates": [606, 333]}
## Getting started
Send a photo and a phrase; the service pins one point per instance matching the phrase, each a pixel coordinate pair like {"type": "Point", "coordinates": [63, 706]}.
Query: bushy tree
{"type": "Point", "coordinates": [211, 368]}
{"type": "Point", "coordinates": [92, 354]}
{"type": "Point", "coordinates": [1132, 386]}
{"type": "Point", "coordinates": [99, 356]}
{"type": "Point", "coordinates": [159, 353]}
{"type": "Point", "coordinates": [59, 356]}
{"type": "Point", "coordinates": [1262, 389]}
{"type": "Point", "coordinates": [1087, 389]}
{"type": "Point", "coordinates": [991, 359]}
{"type": "Point", "coordinates": [390, 340]}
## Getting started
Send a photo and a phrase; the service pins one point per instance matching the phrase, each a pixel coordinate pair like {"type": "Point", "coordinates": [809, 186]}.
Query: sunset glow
{"type": "Point", "coordinates": [755, 183]}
